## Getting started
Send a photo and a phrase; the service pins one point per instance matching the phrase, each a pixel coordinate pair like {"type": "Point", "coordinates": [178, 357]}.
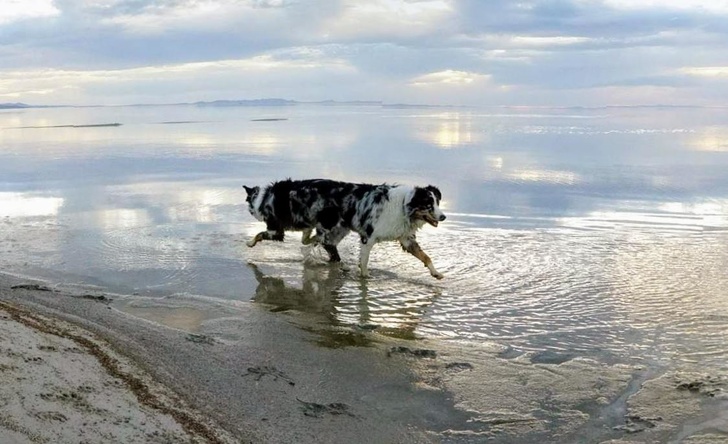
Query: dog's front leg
{"type": "Point", "coordinates": [364, 251]}
{"type": "Point", "coordinates": [307, 239]}
{"type": "Point", "coordinates": [411, 246]}
{"type": "Point", "coordinates": [257, 238]}
{"type": "Point", "coordinates": [266, 235]}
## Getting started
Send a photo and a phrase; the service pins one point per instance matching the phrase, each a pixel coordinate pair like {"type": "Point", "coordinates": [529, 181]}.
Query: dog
{"type": "Point", "coordinates": [376, 213]}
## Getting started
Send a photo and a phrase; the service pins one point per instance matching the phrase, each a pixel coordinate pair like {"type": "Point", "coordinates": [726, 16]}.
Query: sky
{"type": "Point", "coordinates": [439, 52]}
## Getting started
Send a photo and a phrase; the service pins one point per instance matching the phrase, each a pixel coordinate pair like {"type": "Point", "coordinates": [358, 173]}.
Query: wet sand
{"type": "Point", "coordinates": [74, 368]}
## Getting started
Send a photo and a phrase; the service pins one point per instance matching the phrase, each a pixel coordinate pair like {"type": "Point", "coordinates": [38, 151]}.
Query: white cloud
{"type": "Point", "coordinates": [448, 77]}
{"type": "Point", "coordinates": [706, 71]}
{"type": "Point", "coordinates": [720, 6]}
{"type": "Point", "coordinates": [387, 18]}
{"type": "Point", "coordinates": [537, 41]}
{"type": "Point", "coordinates": [13, 10]}
{"type": "Point", "coordinates": [159, 18]}
{"type": "Point", "coordinates": [175, 82]}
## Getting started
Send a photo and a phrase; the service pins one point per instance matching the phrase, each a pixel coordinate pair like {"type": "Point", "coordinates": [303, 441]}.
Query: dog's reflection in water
{"type": "Point", "coordinates": [316, 295]}
{"type": "Point", "coordinates": [319, 295]}
{"type": "Point", "coordinates": [325, 291]}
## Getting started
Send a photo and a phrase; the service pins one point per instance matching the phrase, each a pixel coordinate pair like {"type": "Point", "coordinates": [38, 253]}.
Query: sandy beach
{"type": "Point", "coordinates": [62, 384]}
{"type": "Point", "coordinates": [76, 369]}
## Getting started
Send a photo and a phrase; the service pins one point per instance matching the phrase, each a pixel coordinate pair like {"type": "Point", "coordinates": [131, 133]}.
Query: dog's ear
{"type": "Point", "coordinates": [249, 190]}
{"type": "Point", "coordinates": [436, 191]}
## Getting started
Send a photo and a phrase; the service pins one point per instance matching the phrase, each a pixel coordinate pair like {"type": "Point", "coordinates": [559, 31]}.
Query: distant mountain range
{"type": "Point", "coordinates": [14, 105]}
{"type": "Point", "coordinates": [284, 102]}
{"type": "Point", "coordinates": [373, 103]}
{"type": "Point", "coordinates": [233, 103]}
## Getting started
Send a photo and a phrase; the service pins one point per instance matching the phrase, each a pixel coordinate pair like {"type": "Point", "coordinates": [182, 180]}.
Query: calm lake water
{"type": "Point", "coordinates": [569, 232]}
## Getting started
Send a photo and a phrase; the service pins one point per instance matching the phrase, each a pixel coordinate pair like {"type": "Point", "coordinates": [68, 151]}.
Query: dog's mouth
{"type": "Point", "coordinates": [430, 220]}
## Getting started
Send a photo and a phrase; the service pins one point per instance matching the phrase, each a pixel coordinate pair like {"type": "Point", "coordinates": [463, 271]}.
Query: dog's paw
{"type": "Point", "coordinates": [312, 255]}
{"type": "Point", "coordinates": [312, 241]}
{"type": "Point", "coordinates": [437, 275]}
{"type": "Point", "coordinates": [251, 243]}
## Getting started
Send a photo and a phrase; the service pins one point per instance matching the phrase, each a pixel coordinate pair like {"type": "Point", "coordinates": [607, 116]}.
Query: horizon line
{"type": "Point", "coordinates": [279, 102]}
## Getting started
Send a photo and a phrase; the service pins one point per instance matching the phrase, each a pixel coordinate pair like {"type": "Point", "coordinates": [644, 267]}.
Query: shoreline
{"type": "Point", "coordinates": [248, 374]}
{"type": "Point", "coordinates": [277, 385]}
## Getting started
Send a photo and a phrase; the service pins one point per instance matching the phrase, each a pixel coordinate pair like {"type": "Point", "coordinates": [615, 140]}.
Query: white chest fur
{"type": "Point", "coordinates": [393, 222]}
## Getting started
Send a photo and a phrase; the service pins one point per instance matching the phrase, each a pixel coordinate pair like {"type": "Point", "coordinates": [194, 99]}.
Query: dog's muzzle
{"type": "Point", "coordinates": [434, 220]}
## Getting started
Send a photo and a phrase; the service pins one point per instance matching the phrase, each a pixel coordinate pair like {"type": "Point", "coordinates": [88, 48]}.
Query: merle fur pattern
{"type": "Point", "coordinates": [375, 212]}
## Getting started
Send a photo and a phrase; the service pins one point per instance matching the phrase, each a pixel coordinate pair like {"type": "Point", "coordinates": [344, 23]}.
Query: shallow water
{"type": "Point", "coordinates": [569, 233]}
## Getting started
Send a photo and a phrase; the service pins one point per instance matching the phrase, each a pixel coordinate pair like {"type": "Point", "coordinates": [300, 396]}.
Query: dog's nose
{"type": "Point", "coordinates": [443, 217]}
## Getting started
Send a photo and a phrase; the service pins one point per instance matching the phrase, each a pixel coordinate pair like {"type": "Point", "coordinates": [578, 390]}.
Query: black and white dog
{"type": "Point", "coordinates": [376, 212]}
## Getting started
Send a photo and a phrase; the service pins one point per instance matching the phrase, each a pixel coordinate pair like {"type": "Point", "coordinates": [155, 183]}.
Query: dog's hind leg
{"type": "Point", "coordinates": [333, 253]}
{"type": "Point", "coordinates": [266, 235]}
{"type": "Point", "coordinates": [331, 239]}
{"type": "Point", "coordinates": [411, 246]}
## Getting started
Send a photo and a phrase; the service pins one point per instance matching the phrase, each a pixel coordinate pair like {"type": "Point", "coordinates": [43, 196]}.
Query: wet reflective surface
{"type": "Point", "coordinates": [597, 233]}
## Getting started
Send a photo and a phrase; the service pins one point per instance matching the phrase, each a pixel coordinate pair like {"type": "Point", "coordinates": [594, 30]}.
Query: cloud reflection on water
{"type": "Point", "coordinates": [16, 204]}
{"type": "Point", "coordinates": [537, 218]}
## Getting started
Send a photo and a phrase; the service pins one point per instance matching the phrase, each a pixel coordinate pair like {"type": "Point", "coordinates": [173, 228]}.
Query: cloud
{"type": "Point", "coordinates": [707, 71]}
{"type": "Point", "coordinates": [127, 33]}
{"type": "Point", "coordinates": [383, 20]}
{"type": "Point", "coordinates": [547, 41]}
{"type": "Point", "coordinates": [393, 50]}
{"type": "Point", "coordinates": [720, 6]}
{"type": "Point", "coordinates": [14, 10]}
{"type": "Point", "coordinates": [448, 77]}
{"type": "Point", "coordinates": [172, 16]}
{"type": "Point", "coordinates": [175, 82]}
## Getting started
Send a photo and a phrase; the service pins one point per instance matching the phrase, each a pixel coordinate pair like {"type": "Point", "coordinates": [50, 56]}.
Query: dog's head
{"type": "Point", "coordinates": [251, 200]}
{"type": "Point", "coordinates": [425, 205]}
